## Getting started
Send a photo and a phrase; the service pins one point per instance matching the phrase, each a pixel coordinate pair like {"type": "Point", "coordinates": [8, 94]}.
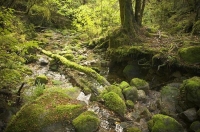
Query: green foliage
{"type": "Point", "coordinates": [34, 92]}
{"type": "Point", "coordinates": [96, 18]}
{"type": "Point", "coordinates": [13, 47]}
{"type": "Point", "coordinates": [165, 14]}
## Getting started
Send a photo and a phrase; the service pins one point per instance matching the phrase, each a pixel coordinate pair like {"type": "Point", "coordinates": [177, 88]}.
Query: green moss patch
{"type": "Point", "coordinates": [86, 122]}
{"type": "Point", "coordinates": [190, 54]}
{"type": "Point", "coordinates": [53, 107]}
{"type": "Point", "coordinates": [190, 91]}
{"type": "Point", "coordinates": [42, 79]}
{"type": "Point", "coordinates": [163, 123]}
{"type": "Point", "coordinates": [115, 103]}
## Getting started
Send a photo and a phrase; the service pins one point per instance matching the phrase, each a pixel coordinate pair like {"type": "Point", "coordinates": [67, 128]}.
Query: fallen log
{"type": "Point", "coordinates": [76, 66]}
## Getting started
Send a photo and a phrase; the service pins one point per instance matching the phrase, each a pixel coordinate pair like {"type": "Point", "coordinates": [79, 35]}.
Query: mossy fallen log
{"type": "Point", "coordinates": [78, 67]}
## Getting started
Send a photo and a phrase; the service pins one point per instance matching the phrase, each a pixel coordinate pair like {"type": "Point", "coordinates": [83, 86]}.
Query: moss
{"type": "Point", "coordinates": [115, 103]}
{"type": "Point", "coordinates": [69, 56]}
{"type": "Point", "coordinates": [190, 91]}
{"type": "Point", "coordinates": [195, 126]}
{"type": "Point", "coordinates": [130, 104]}
{"type": "Point", "coordinates": [140, 84]}
{"type": "Point", "coordinates": [115, 89]}
{"type": "Point", "coordinates": [42, 79]}
{"type": "Point", "coordinates": [163, 123]}
{"type": "Point", "coordinates": [123, 85]}
{"type": "Point", "coordinates": [137, 82]}
{"type": "Point", "coordinates": [54, 106]}
{"type": "Point", "coordinates": [133, 129]}
{"type": "Point", "coordinates": [130, 93]}
{"type": "Point", "coordinates": [56, 82]}
{"type": "Point", "coordinates": [196, 28]}
{"type": "Point", "coordinates": [86, 122]}
{"type": "Point", "coordinates": [169, 101]}
{"type": "Point", "coordinates": [190, 54]}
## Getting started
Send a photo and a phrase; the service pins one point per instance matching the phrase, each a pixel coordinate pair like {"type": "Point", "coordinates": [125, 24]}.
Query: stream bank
{"type": "Point", "coordinates": [138, 115]}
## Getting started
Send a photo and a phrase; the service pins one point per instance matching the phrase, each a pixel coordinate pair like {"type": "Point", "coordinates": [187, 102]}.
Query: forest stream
{"type": "Point", "coordinates": [149, 102]}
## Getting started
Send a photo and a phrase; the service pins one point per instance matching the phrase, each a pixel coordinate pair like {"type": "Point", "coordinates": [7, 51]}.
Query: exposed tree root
{"type": "Point", "coordinates": [78, 67]}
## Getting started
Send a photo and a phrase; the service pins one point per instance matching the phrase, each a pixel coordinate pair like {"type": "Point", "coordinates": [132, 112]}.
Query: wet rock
{"type": "Point", "coordinates": [190, 54]}
{"type": "Point", "coordinates": [163, 123]}
{"type": "Point", "coordinates": [41, 79]}
{"type": "Point", "coordinates": [169, 96]}
{"type": "Point", "coordinates": [131, 93]}
{"type": "Point", "coordinates": [131, 71]}
{"type": "Point", "coordinates": [140, 84]}
{"type": "Point", "coordinates": [43, 61]}
{"type": "Point", "coordinates": [114, 102]}
{"type": "Point", "coordinates": [141, 95]}
{"type": "Point", "coordinates": [189, 115]}
{"type": "Point", "coordinates": [86, 122]}
{"type": "Point", "coordinates": [190, 92]}
{"type": "Point", "coordinates": [195, 126]}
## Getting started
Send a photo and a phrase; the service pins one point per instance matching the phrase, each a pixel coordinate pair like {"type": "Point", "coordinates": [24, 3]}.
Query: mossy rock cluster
{"type": "Point", "coordinates": [190, 91]}
{"type": "Point", "coordinates": [190, 54]}
{"type": "Point", "coordinates": [48, 112]}
{"type": "Point", "coordinates": [86, 122]}
{"type": "Point", "coordinates": [140, 84]}
{"type": "Point", "coordinates": [163, 123]}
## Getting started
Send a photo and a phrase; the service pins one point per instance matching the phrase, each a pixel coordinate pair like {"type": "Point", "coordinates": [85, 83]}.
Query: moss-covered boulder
{"type": "Point", "coordinates": [190, 54]}
{"type": "Point", "coordinates": [195, 126]}
{"type": "Point", "coordinates": [131, 93]}
{"type": "Point", "coordinates": [115, 89]}
{"type": "Point", "coordinates": [190, 91]}
{"type": "Point", "coordinates": [86, 122]}
{"type": "Point", "coordinates": [140, 84]}
{"type": "Point", "coordinates": [124, 85]}
{"type": "Point", "coordinates": [50, 112]}
{"type": "Point", "coordinates": [169, 100]}
{"type": "Point", "coordinates": [163, 123]}
{"type": "Point", "coordinates": [41, 79]}
{"type": "Point", "coordinates": [115, 103]}
{"type": "Point", "coordinates": [131, 71]}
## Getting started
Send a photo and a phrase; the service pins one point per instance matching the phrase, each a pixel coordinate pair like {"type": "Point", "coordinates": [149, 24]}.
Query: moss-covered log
{"type": "Point", "coordinates": [78, 67]}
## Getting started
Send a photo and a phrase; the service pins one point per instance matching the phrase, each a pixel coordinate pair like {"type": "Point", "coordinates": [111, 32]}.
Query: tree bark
{"type": "Point", "coordinates": [78, 67]}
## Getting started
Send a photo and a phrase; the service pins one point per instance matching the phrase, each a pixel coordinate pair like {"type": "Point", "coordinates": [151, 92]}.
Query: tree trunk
{"type": "Point", "coordinates": [76, 66]}
{"type": "Point", "coordinates": [128, 21]}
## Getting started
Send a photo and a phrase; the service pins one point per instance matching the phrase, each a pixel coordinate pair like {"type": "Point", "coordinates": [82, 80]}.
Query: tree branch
{"type": "Point", "coordinates": [78, 67]}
